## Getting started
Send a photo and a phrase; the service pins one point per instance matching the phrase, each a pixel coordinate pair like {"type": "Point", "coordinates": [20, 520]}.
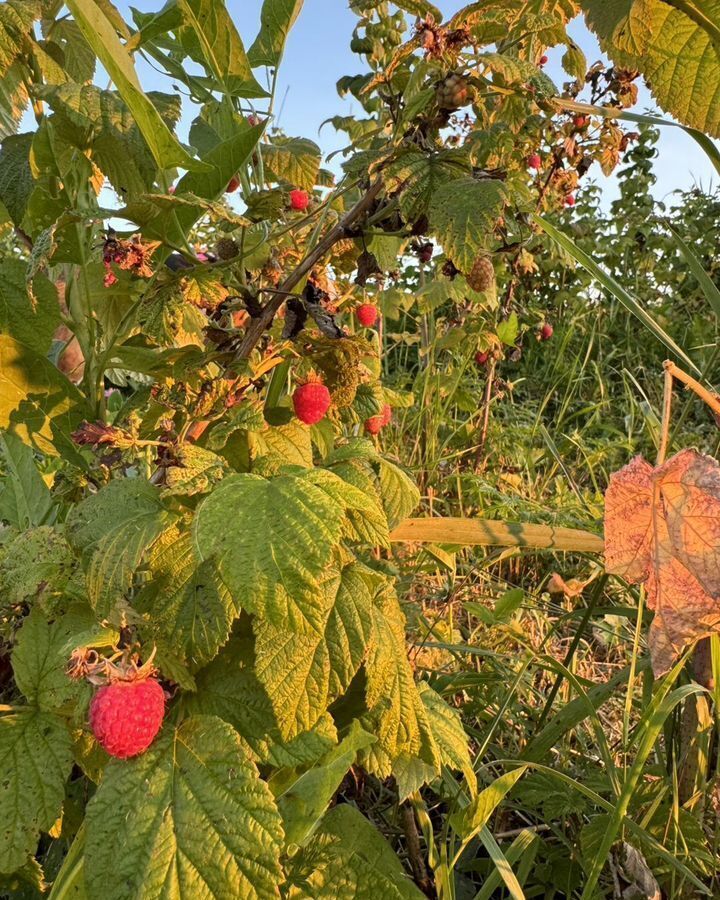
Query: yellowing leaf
{"type": "Point", "coordinates": [674, 45]}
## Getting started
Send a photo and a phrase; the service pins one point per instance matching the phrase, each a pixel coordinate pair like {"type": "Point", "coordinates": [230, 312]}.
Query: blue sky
{"type": "Point", "coordinates": [318, 54]}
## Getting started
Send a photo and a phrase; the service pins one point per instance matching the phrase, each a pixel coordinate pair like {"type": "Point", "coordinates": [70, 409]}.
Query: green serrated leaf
{"type": "Point", "coordinates": [449, 734]}
{"type": "Point", "coordinates": [31, 323]}
{"type": "Point", "coordinates": [189, 607]}
{"type": "Point", "coordinates": [276, 19]}
{"type": "Point", "coordinates": [366, 520]}
{"type": "Point", "coordinates": [16, 181]}
{"type": "Point", "coordinates": [35, 759]}
{"type": "Point", "coordinates": [101, 35]}
{"type": "Point", "coordinates": [303, 672]}
{"type": "Point", "coordinates": [193, 818]}
{"type": "Point", "coordinates": [195, 471]}
{"type": "Point", "coordinates": [25, 499]}
{"type": "Point", "coordinates": [77, 55]}
{"type": "Point", "coordinates": [34, 565]}
{"type": "Point", "coordinates": [99, 122]}
{"type": "Point", "coordinates": [574, 63]}
{"type": "Point", "coordinates": [113, 529]}
{"type": "Point", "coordinates": [508, 330]}
{"type": "Point", "coordinates": [224, 161]}
{"type": "Point", "coordinates": [288, 444]}
{"type": "Point", "coordinates": [418, 176]}
{"type": "Point", "coordinates": [40, 658]}
{"type": "Point", "coordinates": [462, 213]}
{"type": "Point", "coordinates": [399, 493]}
{"type": "Point", "coordinates": [293, 160]}
{"type": "Point", "coordinates": [210, 36]}
{"type": "Point", "coordinates": [229, 688]}
{"type": "Point", "coordinates": [272, 539]}
{"type": "Point", "coordinates": [401, 721]}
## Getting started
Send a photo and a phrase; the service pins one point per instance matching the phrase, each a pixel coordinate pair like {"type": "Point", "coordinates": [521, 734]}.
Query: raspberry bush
{"type": "Point", "coordinates": [202, 637]}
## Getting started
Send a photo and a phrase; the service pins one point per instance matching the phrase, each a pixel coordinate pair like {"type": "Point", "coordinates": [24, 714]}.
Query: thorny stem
{"type": "Point", "coordinates": [673, 371]}
{"type": "Point", "coordinates": [712, 400]}
{"type": "Point", "coordinates": [667, 406]}
{"type": "Point", "coordinates": [258, 325]}
{"type": "Point", "coordinates": [412, 838]}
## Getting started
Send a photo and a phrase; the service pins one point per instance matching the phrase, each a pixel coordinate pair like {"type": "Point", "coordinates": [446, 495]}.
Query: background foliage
{"type": "Point", "coordinates": [349, 714]}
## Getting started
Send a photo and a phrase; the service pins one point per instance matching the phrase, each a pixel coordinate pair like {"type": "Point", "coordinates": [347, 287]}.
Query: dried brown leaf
{"type": "Point", "coordinates": [662, 527]}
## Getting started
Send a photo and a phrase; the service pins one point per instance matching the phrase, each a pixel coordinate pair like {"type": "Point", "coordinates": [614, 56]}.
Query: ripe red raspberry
{"type": "Point", "coordinates": [543, 60]}
{"type": "Point", "coordinates": [569, 200]}
{"type": "Point", "coordinates": [581, 121]}
{"type": "Point", "coordinates": [367, 314]}
{"type": "Point", "coordinates": [374, 424]}
{"type": "Point", "coordinates": [546, 331]}
{"type": "Point", "coordinates": [125, 716]}
{"type": "Point", "coordinates": [311, 401]}
{"type": "Point", "coordinates": [386, 414]}
{"type": "Point", "coordinates": [534, 161]}
{"type": "Point", "coordinates": [299, 200]}
{"type": "Point", "coordinates": [232, 185]}
{"type": "Point", "coordinates": [481, 357]}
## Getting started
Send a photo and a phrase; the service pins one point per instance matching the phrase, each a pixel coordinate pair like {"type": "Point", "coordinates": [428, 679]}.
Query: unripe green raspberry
{"type": "Point", "coordinates": [481, 276]}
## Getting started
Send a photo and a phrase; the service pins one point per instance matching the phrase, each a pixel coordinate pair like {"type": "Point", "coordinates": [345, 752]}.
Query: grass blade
{"type": "Point", "coordinates": [494, 533]}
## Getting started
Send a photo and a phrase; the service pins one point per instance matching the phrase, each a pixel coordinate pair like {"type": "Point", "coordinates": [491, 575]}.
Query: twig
{"type": "Point", "coordinates": [257, 327]}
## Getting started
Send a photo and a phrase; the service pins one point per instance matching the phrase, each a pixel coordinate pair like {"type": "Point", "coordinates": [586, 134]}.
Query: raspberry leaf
{"type": "Point", "coordinates": [276, 20]}
{"type": "Point", "coordinates": [100, 33]}
{"type": "Point", "coordinates": [294, 160]}
{"type": "Point", "coordinates": [25, 499]}
{"type": "Point", "coordinates": [113, 530]}
{"type": "Point", "coordinates": [193, 819]}
{"type": "Point", "coordinates": [273, 538]}
{"type": "Point", "coordinates": [303, 672]}
{"type": "Point", "coordinates": [230, 689]}
{"type": "Point", "coordinates": [39, 402]}
{"type": "Point", "coordinates": [209, 35]}
{"type": "Point", "coordinates": [462, 213]}
{"type": "Point", "coordinates": [41, 654]}
{"type": "Point", "coordinates": [676, 52]}
{"type": "Point", "coordinates": [347, 858]}
{"type": "Point", "coordinates": [399, 716]}
{"type": "Point", "coordinates": [35, 759]}
{"type": "Point", "coordinates": [35, 566]}
{"type": "Point", "coordinates": [418, 175]}
{"type": "Point", "coordinates": [31, 323]}
{"type": "Point", "coordinates": [189, 607]}
{"type": "Point", "coordinates": [400, 495]}
{"type": "Point", "coordinates": [99, 123]}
